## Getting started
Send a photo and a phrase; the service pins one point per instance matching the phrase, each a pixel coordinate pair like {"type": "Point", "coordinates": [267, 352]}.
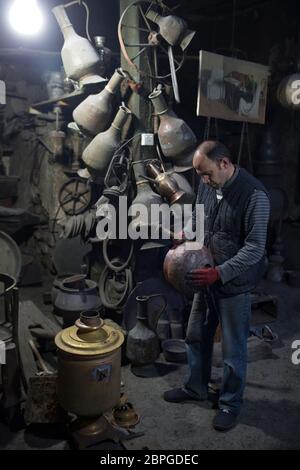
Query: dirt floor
{"type": "Point", "coordinates": [270, 417]}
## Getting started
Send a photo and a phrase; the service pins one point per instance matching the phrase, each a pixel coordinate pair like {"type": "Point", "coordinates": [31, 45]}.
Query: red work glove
{"type": "Point", "coordinates": [202, 277]}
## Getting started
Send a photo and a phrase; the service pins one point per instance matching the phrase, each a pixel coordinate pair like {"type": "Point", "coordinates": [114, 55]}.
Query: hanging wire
{"type": "Point", "coordinates": [127, 142]}
{"type": "Point", "coordinates": [87, 23]}
{"type": "Point", "coordinates": [82, 3]}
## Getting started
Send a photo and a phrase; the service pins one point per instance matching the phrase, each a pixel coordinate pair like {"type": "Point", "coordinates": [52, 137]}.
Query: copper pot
{"type": "Point", "coordinates": [182, 259]}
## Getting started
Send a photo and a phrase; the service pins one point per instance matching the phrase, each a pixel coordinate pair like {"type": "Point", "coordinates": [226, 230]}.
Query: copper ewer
{"type": "Point", "coordinates": [168, 187]}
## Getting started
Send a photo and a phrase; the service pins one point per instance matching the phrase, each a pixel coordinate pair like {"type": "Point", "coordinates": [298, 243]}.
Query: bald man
{"type": "Point", "coordinates": [236, 208]}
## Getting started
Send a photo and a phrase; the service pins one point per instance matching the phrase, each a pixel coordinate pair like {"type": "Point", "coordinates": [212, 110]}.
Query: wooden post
{"type": "Point", "coordinates": [140, 107]}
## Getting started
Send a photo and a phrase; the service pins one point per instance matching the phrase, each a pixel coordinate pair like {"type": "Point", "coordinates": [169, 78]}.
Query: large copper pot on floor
{"type": "Point", "coordinates": [182, 259]}
{"type": "Point", "coordinates": [89, 366]}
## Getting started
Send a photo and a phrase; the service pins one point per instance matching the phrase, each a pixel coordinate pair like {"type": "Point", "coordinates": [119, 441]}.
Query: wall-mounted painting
{"type": "Point", "coordinates": [231, 88]}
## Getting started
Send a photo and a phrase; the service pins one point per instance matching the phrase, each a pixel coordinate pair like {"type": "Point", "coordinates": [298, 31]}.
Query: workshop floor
{"type": "Point", "coordinates": [270, 418]}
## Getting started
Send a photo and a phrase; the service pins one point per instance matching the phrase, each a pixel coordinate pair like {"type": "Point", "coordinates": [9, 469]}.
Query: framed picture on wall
{"type": "Point", "coordinates": [231, 88]}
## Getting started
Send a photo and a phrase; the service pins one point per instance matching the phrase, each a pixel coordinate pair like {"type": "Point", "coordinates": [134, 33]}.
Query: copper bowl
{"type": "Point", "coordinates": [184, 258]}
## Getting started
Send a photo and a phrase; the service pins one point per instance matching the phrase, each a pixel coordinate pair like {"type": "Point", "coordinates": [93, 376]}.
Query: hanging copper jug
{"type": "Point", "coordinates": [94, 114]}
{"type": "Point", "coordinates": [176, 138]}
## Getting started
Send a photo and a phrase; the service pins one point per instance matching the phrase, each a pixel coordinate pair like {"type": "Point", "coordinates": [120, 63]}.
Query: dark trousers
{"type": "Point", "coordinates": [233, 313]}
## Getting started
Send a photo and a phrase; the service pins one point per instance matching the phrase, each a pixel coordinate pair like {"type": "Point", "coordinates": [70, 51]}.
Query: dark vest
{"type": "Point", "coordinates": [224, 228]}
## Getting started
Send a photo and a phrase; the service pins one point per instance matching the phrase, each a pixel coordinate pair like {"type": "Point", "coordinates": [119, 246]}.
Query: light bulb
{"type": "Point", "coordinates": [26, 17]}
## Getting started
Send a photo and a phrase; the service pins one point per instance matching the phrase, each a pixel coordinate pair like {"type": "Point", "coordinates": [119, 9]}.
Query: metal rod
{"type": "Point", "coordinates": [173, 75]}
{"type": "Point", "coordinates": [138, 54]}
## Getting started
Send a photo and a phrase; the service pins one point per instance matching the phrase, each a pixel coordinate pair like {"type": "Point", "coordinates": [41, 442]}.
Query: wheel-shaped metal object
{"type": "Point", "coordinates": [153, 46]}
{"type": "Point", "coordinates": [75, 196]}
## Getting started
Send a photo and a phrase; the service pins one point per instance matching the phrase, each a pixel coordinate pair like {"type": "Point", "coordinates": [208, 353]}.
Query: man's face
{"type": "Point", "coordinates": [212, 173]}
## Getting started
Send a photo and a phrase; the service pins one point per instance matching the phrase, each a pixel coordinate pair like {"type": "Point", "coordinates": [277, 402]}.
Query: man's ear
{"type": "Point", "coordinates": [221, 164]}
{"type": "Point", "coordinates": [224, 163]}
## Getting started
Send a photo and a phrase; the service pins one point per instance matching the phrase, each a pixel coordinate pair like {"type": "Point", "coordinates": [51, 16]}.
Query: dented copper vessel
{"type": "Point", "coordinates": [182, 259]}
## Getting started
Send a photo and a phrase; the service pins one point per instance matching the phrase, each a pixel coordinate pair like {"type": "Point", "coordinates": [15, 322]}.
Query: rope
{"type": "Point", "coordinates": [108, 302]}
{"type": "Point", "coordinates": [110, 263]}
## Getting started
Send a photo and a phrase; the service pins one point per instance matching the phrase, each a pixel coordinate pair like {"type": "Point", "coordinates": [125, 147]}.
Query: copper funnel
{"type": "Point", "coordinates": [173, 29]}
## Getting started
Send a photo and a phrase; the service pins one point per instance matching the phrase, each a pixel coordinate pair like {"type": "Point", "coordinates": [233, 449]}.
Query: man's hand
{"type": "Point", "coordinates": [202, 277]}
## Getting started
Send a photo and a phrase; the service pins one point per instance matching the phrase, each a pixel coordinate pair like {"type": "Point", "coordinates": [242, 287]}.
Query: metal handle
{"type": "Point", "coordinates": [162, 309]}
{"type": "Point", "coordinates": [149, 179]}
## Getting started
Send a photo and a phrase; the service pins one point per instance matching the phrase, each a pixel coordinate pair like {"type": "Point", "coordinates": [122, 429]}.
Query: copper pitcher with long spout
{"type": "Point", "coordinates": [141, 206]}
{"type": "Point", "coordinates": [94, 114]}
{"type": "Point", "coordinates": [100, 151]}
{"type": "Point", "coordinates": [176, 138]}
{"type": "Point", "coordinates": [80, 60]}
{"type": "Point", "coordinates": [166, 185]}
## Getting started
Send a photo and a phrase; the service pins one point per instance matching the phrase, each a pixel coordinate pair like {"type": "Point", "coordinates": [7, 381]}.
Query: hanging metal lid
{"type": "Point", "coordinates": [90, 336]}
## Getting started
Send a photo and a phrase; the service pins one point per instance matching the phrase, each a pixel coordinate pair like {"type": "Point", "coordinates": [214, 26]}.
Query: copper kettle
{"type": "Point", "coordinates": [144, 199]}
{"type": "Point", "coordinates": [166, 185]}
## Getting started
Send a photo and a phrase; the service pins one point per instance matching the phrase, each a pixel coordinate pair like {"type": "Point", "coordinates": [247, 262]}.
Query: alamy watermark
{"type": "Point", "coordinates": [150, 221]}
{"type": "Point", "coordinates": [2, 353]}
{"type": "Point", "coordinates": [296, 354]}
{"type": "Point", "coordinates": [295, 97]}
